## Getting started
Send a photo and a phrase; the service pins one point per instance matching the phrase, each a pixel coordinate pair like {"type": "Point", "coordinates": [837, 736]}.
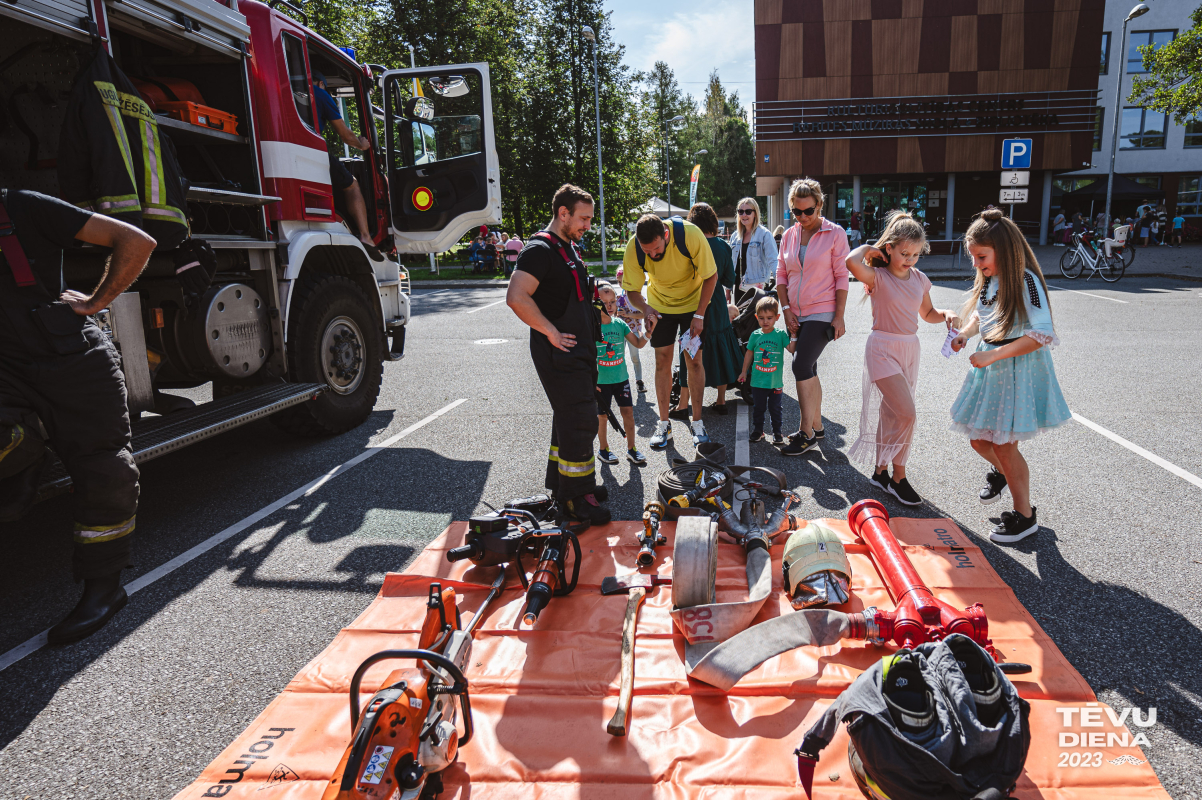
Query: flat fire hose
{"type": "Point", "coordinates": [721, 645]}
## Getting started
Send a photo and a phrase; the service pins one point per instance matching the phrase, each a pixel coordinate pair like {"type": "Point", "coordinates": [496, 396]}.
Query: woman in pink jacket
{"type": "Point", "coordinates": [811, 283]}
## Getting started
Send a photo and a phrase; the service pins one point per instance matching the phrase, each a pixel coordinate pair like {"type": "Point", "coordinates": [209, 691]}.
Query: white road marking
{"type": "Point", "coordinates": [481, 308]}
{"type": "Point", "coordinates": [1087, 294]}
{"type": "Point", "coordinates": [427, 294]}
{"type": "Point", "coordinates": [1134, 448]}
{"type": "Point", "coordinates": [38, 642]}
{"type": "Point", "coordinates": [742, 447]}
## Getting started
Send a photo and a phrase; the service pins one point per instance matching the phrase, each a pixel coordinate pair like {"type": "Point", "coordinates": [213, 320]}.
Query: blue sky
{"type": "Point", "coordinates": [716, 35]}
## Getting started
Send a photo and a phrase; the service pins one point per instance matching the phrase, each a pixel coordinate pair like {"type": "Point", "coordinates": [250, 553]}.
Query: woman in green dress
{"type": "Point", "coordinates": [722, 354]}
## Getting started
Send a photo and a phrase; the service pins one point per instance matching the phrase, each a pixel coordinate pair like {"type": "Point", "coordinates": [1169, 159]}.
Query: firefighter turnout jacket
{"type": "Point", "coordinates": [114, 160]}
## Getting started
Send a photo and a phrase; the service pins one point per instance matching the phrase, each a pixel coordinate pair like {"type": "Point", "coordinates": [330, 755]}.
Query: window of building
{"type": "Point", "coordinates": [1189, 195]}
{"type": "Point", "coordinates": [1193, 132]}
{"type": "Point", "coordinates": [1097, 127]}
{"type": "Point", "coordinates": [1104, 69]}
{"type": "Point", "coordinates": [298, 78]}
{"type": "Point", "coordinates": [1142, 129]}
{"type": "Point", "coordinates": [1157, 39]}
{"type": "Point", "coordinates": [1072, 184]}
{"type": "Point", "coordinates": [1150, 181]}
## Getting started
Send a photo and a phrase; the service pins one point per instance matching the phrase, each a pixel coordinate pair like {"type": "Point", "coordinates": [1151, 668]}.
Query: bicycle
{"type": "Point", "coordinates": [1108, 265]}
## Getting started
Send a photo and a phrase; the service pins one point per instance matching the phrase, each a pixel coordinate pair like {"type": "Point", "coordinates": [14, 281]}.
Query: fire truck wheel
{"type": "Point", "coordinates": [333, 338]}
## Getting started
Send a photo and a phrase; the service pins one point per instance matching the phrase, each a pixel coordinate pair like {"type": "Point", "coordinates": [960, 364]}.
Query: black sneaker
{"type": "Point", "coordinates": [1014, 527]}
{"type": "Point", "coordinates": [756, 436]}
{"type": "Point", "coordinates": [636, 458]}
{"type": "Point", "coordinates": [881, 479]}
{"type": "Point", "coordinates": [906, 693]}
{"type": "Point", "coordinates": [981, 673]}
{"type": "Point", "coordinates": [607, 457]}
{"type": "Point", "coordinates": [719, 408]}
{"type": "Point", "coordinates": [641, 387]}
{"type": "Point", "coordinates": [820, 433]}
{"type": "Point", "coordinates": [904, 492]}
{"type": "Point", "coordinates": [995, 487]}
{"type": "Point", "coordinates": [777, 440]}
{"type": "Point", "coordinates": [681, 414]}
{"type": "Point", "coordinates": [799, 443]}
{"type": "Point", "coordinates": [586, 509]}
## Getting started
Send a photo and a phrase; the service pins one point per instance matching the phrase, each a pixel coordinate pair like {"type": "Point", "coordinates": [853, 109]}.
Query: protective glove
{"type": "Point", "coordinates": [195, 265]}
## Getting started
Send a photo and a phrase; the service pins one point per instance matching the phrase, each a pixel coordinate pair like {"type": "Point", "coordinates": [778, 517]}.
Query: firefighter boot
{"type": "Point", "coordinates": [102, 598]}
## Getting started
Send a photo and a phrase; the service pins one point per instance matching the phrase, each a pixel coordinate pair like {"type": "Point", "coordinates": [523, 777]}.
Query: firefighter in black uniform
{"type": "Point", "coordinates": [60, 375]}
{"type": "Point", "coordinates": [551, 291]}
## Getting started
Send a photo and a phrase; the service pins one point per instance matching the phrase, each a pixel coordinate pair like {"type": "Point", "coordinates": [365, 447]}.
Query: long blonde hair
{"type": "Point", "coordinates": [900, 226]}
{"type": "Point", "coordinates": [1013, 257]}
{"type": "Point", "coordinates": [739, 220]}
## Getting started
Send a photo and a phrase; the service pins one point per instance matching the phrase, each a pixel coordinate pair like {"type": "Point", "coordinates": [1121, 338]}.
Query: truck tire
{"type": "Point", "coordinates": [334, 338]}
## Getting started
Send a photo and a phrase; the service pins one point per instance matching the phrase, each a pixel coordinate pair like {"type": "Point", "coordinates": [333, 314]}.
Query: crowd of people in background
{"type": "Point", "coordinates": [494, 252]}
{"type": "Point", "coordinates": [1151, 225]}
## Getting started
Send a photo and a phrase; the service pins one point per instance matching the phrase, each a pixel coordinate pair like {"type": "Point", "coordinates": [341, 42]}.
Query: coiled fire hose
{"type": "Point", "coordinates": [684, 477]}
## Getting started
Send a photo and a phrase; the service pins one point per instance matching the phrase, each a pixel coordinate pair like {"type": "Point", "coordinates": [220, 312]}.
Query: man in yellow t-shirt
{"type": "Point", "coordinates": [678, 293]}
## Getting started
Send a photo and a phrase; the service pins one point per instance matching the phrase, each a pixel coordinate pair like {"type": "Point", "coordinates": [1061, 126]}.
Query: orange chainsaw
{"type": "Point", "coordinates": [407, 734]}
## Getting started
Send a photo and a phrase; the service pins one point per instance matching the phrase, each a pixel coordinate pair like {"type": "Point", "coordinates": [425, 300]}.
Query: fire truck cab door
{"type": "Point", "coordinates": [443, 175]}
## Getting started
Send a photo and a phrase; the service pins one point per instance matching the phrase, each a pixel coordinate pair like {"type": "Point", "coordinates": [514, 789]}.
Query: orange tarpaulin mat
{"type": "Point", "coordinates": [541, 698]}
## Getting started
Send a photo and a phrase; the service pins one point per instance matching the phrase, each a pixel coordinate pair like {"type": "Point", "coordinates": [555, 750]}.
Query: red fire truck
{"type": "Point", "coordinates": [300, 320]}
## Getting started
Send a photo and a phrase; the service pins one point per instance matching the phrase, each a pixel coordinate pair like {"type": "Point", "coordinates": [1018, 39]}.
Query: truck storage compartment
{"type": "Point", "coordinates": [200, 100]}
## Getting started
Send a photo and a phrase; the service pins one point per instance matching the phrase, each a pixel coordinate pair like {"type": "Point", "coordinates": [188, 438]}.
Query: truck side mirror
{"type": "Point", "coordinates": [419, 108]}
{"type": "Point", "coordinates": [448, 86]}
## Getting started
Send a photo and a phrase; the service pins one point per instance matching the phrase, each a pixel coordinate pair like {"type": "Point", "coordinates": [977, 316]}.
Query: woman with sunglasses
{"type": "Point", "coordinates": [811, 282]}
{"type": "Point", "coordinates": [753, 248]}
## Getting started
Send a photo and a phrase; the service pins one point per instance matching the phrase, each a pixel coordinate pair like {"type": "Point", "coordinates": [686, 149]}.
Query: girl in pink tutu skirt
{"type": "Point", "coordinates": [900, 297]}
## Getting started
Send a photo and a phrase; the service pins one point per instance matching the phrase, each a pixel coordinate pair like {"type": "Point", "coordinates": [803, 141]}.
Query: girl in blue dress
{"type": "Point", "coordinates": [1010, 395]}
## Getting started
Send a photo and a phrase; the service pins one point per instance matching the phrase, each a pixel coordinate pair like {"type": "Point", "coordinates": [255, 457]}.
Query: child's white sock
{"type": "Point", "coordinates": [698, 427]}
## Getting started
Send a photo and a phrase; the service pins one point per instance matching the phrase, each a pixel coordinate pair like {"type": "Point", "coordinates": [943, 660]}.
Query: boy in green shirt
{"type": "Point", "coordinates": [766, 361]}
{"type": "Point", "coordinates": [612, 380]}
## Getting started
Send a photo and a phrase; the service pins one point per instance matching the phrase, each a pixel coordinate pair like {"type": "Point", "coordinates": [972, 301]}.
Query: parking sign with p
{"type": "Point", "coordinates": [1016, 154]}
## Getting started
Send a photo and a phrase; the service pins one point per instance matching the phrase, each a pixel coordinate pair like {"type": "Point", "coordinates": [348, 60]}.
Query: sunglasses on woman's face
{"type": "Point", "coordinates": [745, 211]}
{"type": "Point", "coordinates": [804, 212]}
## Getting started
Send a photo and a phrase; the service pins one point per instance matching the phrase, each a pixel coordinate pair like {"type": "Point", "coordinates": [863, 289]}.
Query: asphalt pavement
{"type": "Point", "coordinates": [140, 708]}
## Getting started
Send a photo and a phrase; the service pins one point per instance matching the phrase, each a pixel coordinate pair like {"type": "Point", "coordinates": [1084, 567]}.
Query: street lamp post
{"type": "Point", "coordinates": [592, 37]}
{"type": "Point", "coordinates": [668, 158]}
{"type": "Point", "coordinates": [1138, 11]}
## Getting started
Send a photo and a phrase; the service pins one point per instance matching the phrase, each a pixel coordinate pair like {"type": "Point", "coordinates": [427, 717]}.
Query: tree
{"type": "Point", "coordinates": [728, 168]}
{"type": "Point", "coordinates": [663, 100]}
{"type": "Point", "coordinates": [1174, 81]}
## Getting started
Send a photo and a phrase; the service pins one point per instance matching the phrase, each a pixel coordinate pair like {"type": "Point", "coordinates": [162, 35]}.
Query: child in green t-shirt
{"type": "Point", "coordinates": [765, 360]}
{"type": "Point", "coordinates": [612, 380]}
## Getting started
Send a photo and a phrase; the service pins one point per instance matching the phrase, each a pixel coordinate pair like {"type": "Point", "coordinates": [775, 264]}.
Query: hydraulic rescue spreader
{"type": "Point", "coordinates": [514, 535]}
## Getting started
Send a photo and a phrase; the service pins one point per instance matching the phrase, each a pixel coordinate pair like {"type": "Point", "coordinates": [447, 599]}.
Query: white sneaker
{"type": "Point", "coordinates": [699, 434]}
{"type": "Point", "coordinates": [663, 435]}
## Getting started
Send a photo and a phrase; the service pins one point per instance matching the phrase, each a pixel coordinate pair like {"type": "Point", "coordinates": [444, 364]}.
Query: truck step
{"type": "Point", "coordinates": [157, 436]}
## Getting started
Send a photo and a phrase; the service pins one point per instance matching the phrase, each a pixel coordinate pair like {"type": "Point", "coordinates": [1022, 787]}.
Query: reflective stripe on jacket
{"type": "Point", "coordinates": [114, 160]}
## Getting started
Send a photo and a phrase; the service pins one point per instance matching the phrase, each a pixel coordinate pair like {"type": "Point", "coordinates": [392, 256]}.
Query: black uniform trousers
{"type": "Point", "coordinates": [80, 400]}
{"type": "Point", "coordinates": [570, 382]}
